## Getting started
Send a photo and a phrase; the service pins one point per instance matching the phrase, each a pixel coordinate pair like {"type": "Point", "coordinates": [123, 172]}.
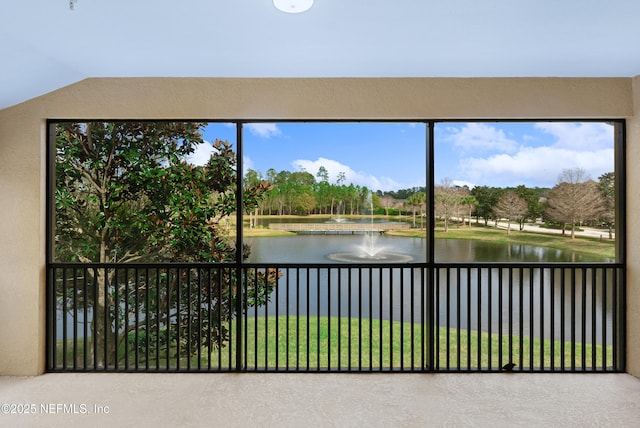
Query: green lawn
{"type": "Point", "coordinates": [321, 343]}
{"type": "Point", "coordinates": [336, 342]}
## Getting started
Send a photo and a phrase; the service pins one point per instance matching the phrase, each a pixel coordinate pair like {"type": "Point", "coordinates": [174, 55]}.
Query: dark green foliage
{"type": "Point", "coordinates": [125, 193]}
{"type": "Point", "coordinates": [607, 185]}
{"type": "Point", "coordinates": [487, 198]}
{"type": "Point", "coordinates": [405, 193]}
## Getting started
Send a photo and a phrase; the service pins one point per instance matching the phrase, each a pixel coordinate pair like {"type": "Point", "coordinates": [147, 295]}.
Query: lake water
{"type": "Point", "coordinates": [520, 299]}
{"type": "Point", "coordinates": [317, 248]}
{"type": "Point", "coordinates": [466, 298]}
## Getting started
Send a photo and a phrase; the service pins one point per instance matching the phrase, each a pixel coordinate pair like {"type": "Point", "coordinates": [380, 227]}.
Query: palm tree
{"type": "Point", "coordinates": [471, 202]}
{"type": "Point", "coordinates": [416, 201]}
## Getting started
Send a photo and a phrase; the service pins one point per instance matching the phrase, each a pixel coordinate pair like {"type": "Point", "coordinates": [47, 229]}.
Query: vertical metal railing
{"type": "Point", "coordinates": [561, 317]}
{"type": "Point", "coordinates": [336, 317]}
{"type": "Point", "coordinates": [340, 318]}
{"type": "Point", "coordinates": [140, 317]}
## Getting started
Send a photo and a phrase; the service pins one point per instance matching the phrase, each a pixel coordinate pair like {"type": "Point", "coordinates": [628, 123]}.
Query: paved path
{"type": "Point", "coordinates": [586, 231]}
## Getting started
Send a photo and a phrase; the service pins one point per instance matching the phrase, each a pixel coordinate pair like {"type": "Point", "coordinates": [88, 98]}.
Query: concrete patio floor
{"type": "Point", "coordinates": [320, 400]}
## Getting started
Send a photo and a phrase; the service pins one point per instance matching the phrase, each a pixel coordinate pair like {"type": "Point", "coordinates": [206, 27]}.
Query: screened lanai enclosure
{"type": "Point", "coordinates": [369, 246]}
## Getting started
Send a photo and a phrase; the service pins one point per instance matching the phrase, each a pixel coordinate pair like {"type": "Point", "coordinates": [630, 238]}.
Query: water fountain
{"type": "Point", "coordinates": [370, 250]}
{"type": "Point", "coordinates": [338, 218]}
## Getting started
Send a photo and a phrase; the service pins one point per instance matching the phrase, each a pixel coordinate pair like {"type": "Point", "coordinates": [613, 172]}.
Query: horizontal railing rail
{"type": "Point", "coordinates": [414, 317]}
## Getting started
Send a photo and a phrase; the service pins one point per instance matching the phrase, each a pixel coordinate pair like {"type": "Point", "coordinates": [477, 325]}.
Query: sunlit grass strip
{"type": "Point", "coordinates": [374, 345]}
{"type": "Point", "coordinates": [363, 344]}
{"type": "Point", "coordinates": [368, 345]}
{"type": "Point", "coordinates": [482, 352]}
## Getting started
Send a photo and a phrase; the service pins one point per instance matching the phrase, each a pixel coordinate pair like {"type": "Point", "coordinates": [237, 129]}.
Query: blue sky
{"type": "Point", "coordinates": [511, 154]}
{"type": "Point", "coordinates": [392, 156]}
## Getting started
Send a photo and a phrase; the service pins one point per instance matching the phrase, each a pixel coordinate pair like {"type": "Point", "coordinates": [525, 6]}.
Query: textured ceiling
{"type": "Point", "coordinates": [44, 45]}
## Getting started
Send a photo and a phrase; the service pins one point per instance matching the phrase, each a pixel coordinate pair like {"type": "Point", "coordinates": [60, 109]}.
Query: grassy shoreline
{"type": "Point", "coordinates": [586, 245]}
{"type": "Point", "coordinates": [598, 247]}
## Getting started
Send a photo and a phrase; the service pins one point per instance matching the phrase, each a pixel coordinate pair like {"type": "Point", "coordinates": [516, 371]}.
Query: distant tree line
{"type": "Point", "coordinates": [575, 200]}
{"type": "Point", "coordinates": [302, 193]}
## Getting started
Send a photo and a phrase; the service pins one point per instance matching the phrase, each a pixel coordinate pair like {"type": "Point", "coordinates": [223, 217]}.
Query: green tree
{"type": "Point", "coordinates": [487, 198]}
{"type": "Point", "coordinates": [388, 202]}
{"type": "Point", "coordinates": [124, 193]}
{"type": "Point", "coordinates": [417, 202]}
{"type": "Point", "coordinates": [303, 203]}
{"type": "Point", "coordinates": [251, 179]}
{"type": "Point", "coordinates": [535, 208]}
{"type": "Point", "coordinates": [323, 174]}
{"type": "Point", "coordinates": [323, 190]}
{"type": "Point", "coordinates": [470, 202]}
{"type": "Point", "coordinates": [607, 185]}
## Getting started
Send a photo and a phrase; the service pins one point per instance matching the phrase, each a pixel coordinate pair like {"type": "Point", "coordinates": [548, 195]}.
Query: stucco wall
{"type": "Point", "coordinates": [22, 151]}
{"type": "Point", "coordinates": [633, 235]}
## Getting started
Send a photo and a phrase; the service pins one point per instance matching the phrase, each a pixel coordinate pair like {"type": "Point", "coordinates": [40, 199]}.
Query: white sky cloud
{"type": "Point", "coordinates": [461, 183]}
{"type": "Point", "coordinates": [541, 165]}
{"type": "Point", "coordinates": [264, 130]}
{"type": "Point", "coordinates": [537, 161]}
{"type": "Point", "coordinates": [581, 136]}
{"type": "Point", "coordinates": [482, 137]}
{"type": "Point", "coordinates": [247, 164]}
{"type": "Point", "coordinates": [201, 154]}
{"type": "Point", "coordinates": [334, 168]}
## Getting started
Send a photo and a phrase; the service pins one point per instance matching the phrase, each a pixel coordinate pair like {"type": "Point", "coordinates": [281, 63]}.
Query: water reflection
{"type": "Point", "coordinates": [461, 251]}
{"type": "Point", "coordinates": [538, 302]}
{"type": "Point", "coordinates": [316, 248]}
{"type": "Point", "coordinates": [525, 302]}
{"type": "Point", "coordinates": [562, 304]}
